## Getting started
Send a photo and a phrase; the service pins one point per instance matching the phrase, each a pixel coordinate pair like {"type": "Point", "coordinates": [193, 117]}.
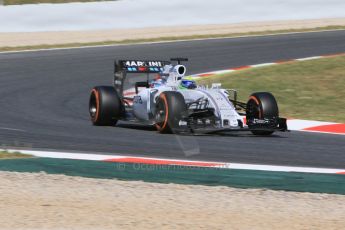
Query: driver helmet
{"type": "Point", "coordinates": [157, 83]}
{"type": "Point", "coordinates": [187, 84]}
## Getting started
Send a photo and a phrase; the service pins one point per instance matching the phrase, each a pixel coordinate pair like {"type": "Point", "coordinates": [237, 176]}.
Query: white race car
{"type": "Point", "coordinates": [174, 103]}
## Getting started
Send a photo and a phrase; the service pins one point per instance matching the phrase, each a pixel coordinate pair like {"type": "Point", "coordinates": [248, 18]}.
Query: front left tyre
{"type": "Point", "coordinates": [170, 108]}
{"type": "Point", "coordinates": [105, 106]}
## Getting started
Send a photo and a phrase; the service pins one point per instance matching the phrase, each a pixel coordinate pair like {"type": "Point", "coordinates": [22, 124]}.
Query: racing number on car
{"type": "Point", "coordinates": [137, 100]}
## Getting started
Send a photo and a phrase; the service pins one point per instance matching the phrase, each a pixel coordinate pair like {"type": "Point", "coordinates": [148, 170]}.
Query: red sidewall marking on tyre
{"type": "Point", "coordinates": [163, 97]}
{"type": "Point", "coordinates": [258, 103]}
{"type": "Point", "coordinates": [97, 104]}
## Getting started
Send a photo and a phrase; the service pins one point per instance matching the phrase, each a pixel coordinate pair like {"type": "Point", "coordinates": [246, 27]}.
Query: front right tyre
{"type": "Point", "coordinates": [261, 105]}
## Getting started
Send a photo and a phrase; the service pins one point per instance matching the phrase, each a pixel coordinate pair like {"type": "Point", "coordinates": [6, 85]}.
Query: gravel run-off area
{"type": "Point", "coordinates": [42, 201]}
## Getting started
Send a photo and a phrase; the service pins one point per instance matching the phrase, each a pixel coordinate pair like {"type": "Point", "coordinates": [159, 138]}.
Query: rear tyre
{"type": "Point", "coordinates": [170, 107]}
{"type": "Point", "coordinates": [261, 105]}
{"type": "Point", "coordinates": [105, 106]}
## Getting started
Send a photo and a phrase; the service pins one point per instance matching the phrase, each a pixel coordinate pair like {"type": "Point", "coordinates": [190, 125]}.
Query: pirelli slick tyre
{"type": "Point", "coordinates": [261, 105]}
{"type": "Point", "coordinates": [105, 106]}
{"type": "Point", "coordinates": [170, 107]}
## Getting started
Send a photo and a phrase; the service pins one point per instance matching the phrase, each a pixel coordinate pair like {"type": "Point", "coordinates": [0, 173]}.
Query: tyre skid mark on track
{"type": "Point", "coordinates": [12, 129]}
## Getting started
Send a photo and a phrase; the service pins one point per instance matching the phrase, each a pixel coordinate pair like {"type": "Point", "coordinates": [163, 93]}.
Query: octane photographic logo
{"type": "Point", "coordinates": [151, 167]}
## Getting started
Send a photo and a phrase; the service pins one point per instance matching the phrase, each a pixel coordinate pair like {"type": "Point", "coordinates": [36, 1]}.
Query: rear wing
{"type": "Point", "coordinates": [123, 67]}
{"type": "Point", "coordinates": [137, 66]}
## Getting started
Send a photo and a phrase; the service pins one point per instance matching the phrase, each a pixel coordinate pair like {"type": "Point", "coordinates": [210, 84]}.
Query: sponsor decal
{"type": "Point", "coordinates": [141, 69]}
{"type": "Point", "coordinates": [137, 100]}
{"type": "Point", "coordinates": [143, 66]}
{"type": "Point", "coordinates": [142, 63]}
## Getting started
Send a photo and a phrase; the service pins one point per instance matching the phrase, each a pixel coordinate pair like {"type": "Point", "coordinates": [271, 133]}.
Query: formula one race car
{"type": "Point", "coordinates": [174, 103]}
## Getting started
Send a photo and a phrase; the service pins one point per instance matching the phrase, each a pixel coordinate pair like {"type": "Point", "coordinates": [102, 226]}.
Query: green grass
{"type": "Point", "coordinates": [313, 89]}
{"type": "Point", "coordinates": [168, 38]}
{"type": "Point", "coordinates": [20, 2]}
{"type": "Point", "coordinates": [15, 155]}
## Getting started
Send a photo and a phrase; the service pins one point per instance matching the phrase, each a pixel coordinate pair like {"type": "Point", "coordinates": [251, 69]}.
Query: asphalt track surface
{"type": "Point", "coordinates": [44, 102]}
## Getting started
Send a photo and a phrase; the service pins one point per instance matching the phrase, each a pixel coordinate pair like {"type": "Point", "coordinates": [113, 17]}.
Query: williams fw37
{"type": "Point", "coordinates": [159, 93]}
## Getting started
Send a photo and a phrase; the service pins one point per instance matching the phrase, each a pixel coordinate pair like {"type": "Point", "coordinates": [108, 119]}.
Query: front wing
{"type": "Point", "coordinates": [204, 122]}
